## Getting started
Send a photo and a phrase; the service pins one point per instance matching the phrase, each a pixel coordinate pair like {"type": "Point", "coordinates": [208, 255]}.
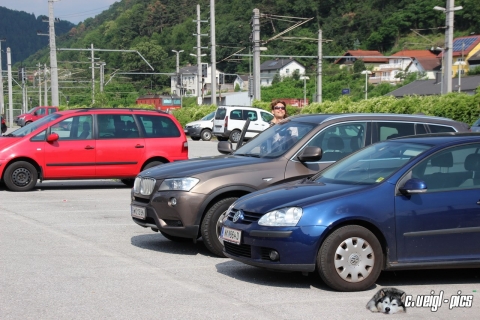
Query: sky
{"type": "Point", "coordinates": [70, 10]}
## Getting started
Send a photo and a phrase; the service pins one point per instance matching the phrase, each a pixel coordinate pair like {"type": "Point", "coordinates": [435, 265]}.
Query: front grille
{"type": "Point", "coordinates": [243, 250]}
{"type": "Point", "coordinates": [142, 200]}
{"type": "Point", "coordinates": [248, 217]}
{"type": "Point", "coordinates": [265, 253]}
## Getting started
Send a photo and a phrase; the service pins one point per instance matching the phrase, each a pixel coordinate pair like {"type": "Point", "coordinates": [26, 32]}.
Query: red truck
{"type": "Point", "coordinates": [34, 114]}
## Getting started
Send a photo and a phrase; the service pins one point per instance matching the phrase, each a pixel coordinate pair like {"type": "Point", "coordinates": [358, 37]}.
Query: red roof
{"type": "Point", "coordinates": [415, 54]}
{"type": "Point", "coordinates": [363, 53]}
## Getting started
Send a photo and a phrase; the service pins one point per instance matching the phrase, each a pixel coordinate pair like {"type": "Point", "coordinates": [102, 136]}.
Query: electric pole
{"type": "Point", "coordinates": [10, 98]}
{"type": "Point", "coordinates": [213, 53]}
{"type": "Point", "coordinates": [39, 85]}
{"type": "Point", "coordinates": [53, 54]}
{"type": "Point", "coordinates": [319, 68]}
{"type": "Point", "coordinates": [45, 84]}
{"type": "Point", "coordinates": [2, 100]}
{"type": "Point", "coordinates": [256, 54]}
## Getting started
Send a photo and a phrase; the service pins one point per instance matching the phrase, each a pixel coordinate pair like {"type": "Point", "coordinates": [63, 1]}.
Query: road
{"type": "Point", "coordinates": [69, 250]}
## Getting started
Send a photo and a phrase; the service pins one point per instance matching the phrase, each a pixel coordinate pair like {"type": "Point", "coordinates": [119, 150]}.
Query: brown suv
{"type": "Point", "coordinates": [188, 199]}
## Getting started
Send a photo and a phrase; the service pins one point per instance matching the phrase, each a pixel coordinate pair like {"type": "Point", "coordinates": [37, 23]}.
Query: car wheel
{"type": "Point", "coordinates": [206, 135]}
{"type": "Point", "coordinates": [152, 164]}
{"type": "Point", "coordinates": [20, 176]}
{"type": "Point", "coordinates": [195, 138]}
{"type": "Point", "coordinates": [212, 225]}
{"type": "Point", "coordinates": [350, 259]}
{"type": "Point", "coordinates": [174, 238]}
{"type": "Point", "coordinates": [235, 136]}
{"type": "Point", "coordinates": [128, 182]}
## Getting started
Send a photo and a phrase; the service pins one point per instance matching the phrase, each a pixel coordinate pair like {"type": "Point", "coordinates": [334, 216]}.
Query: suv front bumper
{"type": "Point", "coordinates": [193, 132]}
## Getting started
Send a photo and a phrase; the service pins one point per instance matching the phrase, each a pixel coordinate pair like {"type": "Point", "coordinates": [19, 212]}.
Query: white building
{"type": "Point", "coordinates": [189, 78]}
{"type": "Point", "coordinates": [282, 67]}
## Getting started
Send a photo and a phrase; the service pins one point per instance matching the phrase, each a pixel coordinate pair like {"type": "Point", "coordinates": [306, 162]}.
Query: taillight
{"type": "Point", "coordinates": [226, 123]}
{"type": "Point", "coordinates": [185, 146]}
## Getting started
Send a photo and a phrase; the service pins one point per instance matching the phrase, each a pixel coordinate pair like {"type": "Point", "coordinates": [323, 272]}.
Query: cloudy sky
{"type": "Point", "coordinates": [70, 10]}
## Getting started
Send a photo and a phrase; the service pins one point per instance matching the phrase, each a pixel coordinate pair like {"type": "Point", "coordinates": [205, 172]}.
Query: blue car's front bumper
{"type": "Point", "coordinates": [297, 247]}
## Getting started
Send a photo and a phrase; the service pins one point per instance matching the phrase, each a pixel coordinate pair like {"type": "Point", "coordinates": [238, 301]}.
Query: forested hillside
{"type": "Point", "coordinates": [20, 31]}
{"type": "Point", "coordinates": [155, 27]}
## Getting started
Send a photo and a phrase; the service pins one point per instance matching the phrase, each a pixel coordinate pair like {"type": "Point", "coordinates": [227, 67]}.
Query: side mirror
{"type": "Point", "coordinates": [413, 186]}
{"type": "Point", "coordinates": [224, 147]}
{"type": "Point", "coordinates": [35, 113]}
{"type": "Point", "coordinates": [310, 154]}
{"type": "Point", "coordinates": [52, 137]}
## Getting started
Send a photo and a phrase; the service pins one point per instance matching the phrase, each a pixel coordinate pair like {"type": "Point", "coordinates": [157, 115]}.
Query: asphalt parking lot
{"type": "Point", "coordinates": [69, 250]}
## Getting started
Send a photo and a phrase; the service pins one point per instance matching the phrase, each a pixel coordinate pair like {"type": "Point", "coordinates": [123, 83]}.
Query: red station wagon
{"type": "Point", "coordinates": [90, 144]}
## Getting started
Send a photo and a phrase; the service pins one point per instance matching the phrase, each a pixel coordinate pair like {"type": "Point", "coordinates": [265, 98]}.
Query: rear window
{"type": "Point", "coordinates": [220, 114]}
{"type": "Point", "coordinates": [158, 126]}
{"type": "Point", "coordinates": [439, 129]}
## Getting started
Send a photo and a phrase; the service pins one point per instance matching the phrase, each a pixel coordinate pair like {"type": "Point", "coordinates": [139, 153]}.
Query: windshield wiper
{"type": "Point", "coordinates": [248, 155]}
{"type": "Point", "coordinates": [8, 135]}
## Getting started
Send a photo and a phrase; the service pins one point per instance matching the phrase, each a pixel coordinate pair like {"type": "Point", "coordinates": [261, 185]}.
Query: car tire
{"type": "Point", "coordinates": [211, 225]}
{"type": "Point", "coordinates": [365, 255]}
{"type": "Point", "coordinates": [20, 176]}
{"type": "Point", "coordinates": [235, 136]}
{"type": "Point", "coordinates": [128, 182]}
{"type": "Point", "coordinates": [206, 135]}
{"type": "Point", "coordinates": [152, 164]}
{"type": "Point", "coordinates": [174, 238]}
{"type": "Point", "coordinates": [195, 138]}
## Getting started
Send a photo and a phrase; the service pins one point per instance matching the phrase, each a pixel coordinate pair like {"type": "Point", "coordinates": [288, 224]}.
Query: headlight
{"type": "Point", "coordinates": [285, 217]}
{"type": "Point", "coordinates": [195, 126]}
{"type": "Point", "coordinates": [144, 186]}
{"type": "Point", "coordinates": [184, 184]}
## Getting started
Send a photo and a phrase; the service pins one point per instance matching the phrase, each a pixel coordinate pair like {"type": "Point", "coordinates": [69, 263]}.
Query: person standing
{"type": "Point", "coordinates": [279, 110]}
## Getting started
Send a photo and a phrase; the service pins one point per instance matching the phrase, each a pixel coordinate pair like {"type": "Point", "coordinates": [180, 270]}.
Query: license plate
{"type": "Point", "coordinates": [231, 235]}
{"type": "Point", "coordinates": [185, 130]}
{"type": "Point", "coordinates": [138, 212]}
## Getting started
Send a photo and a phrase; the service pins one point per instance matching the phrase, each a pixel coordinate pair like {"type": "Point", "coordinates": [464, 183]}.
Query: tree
{"type": "Point", "coordinates": [358, 66]}
{"type": "Point", "coordinates": [276, 78]}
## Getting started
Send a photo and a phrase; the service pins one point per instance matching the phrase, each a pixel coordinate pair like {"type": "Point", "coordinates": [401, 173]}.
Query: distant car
{"type": "Point", "coordinates": [90, 144]}
{"type": "Point", "coordinates": [200, 129]}
{"type": "Point", "coordinates": [34, 114]}
{"type": "Point", "coordinates": [476, 126]}
{"type": "Point", "coordinates": [229, 121]}
{"type": "Point", "coordinates": [188, 199]}
{"type": "Point", "coordinates": [3, 124]}
{"type": "Point", "coordinates": [407, 203]}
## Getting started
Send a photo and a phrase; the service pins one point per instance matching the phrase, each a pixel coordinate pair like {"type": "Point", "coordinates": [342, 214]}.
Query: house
{"type": "Point", "coordinates": [464, 48]}
{"type": "Point", "coordinates": [474, 61]}
{"type": "Point", "coordinates": [374, 59]}
{"type": "Point", "coordinates": [430, 87]}
{"type": "Point", "coordinates": [242, 82]}
{"type": "Point", "coordinates": [428, 67]}
{"type": "Point", "coordinates": [282, 67]}
{"type": "Point", "coordinates": [400, 62]}
{"type": "Point", "coordinates": [188, 80]}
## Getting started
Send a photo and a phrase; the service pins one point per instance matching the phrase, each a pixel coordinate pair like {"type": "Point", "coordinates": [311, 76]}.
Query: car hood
{"type": "Point", "coordinates": [200, 122]}
{"type": "Point", "coordinates": [6, 142]}
{"type": "Point", "coordinates": [293, 194]}
{"type": "Point", "coordinates": [193, 167]}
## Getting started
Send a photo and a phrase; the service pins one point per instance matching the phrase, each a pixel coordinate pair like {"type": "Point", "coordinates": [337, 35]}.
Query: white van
{"type": "Point", "coordinates": [229, 121]}
{"type": "Point", "coordinates": [200, 129]}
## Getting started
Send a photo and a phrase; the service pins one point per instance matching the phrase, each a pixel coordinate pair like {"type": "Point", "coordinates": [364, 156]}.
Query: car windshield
{"type": "Point", "coordinates": [371, 165]}
{"type": "Point", "coordinates": [29, 128]}
{"type": "Point", "coordinates": [477, 123]}
{"type": "Point", "coordinates": [31, 110]}
{"type": "Point", "coordinates": [276, 140]}
{"type": "Point", "coordinates": [209, 116]}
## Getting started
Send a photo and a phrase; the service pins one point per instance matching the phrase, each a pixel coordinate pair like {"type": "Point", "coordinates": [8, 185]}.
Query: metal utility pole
{"type": "Point", "coordinates": [53, 54]}
{"type": "Point", "coordinates": [2, 100]}
{"type": "Point", "coordinates": [256, 54]}
{"type": "Point", "coordinates": [448, 50]}
{"type": "Point", "coordinates": [102, 75]}
{"type": "Point", "coordinates": [24, 102]}
{"type": "Point", "coordinates": [39, 86]}
{"type": "Point", "coordinates": [177, 71]}
{"type": "Point", "coordinates": [213, 53]}
{"type": "Point", "coordinates": [199, 58]}
{"type": "Point", "coordinates": [10, 98]}
{"type": "Point", "coordinates": [93, 76]}
{"type": "Point", "coordinates": [45, 83]}
{"type": "Point", "coordinates": [319, 68]}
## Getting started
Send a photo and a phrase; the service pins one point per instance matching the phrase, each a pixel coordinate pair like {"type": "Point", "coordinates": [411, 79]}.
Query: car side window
{"type": "Point", "coordinates": [74, 128]}
{"type": "Point", "coordinates": [250, 114]}
{"type": "Point", "coordinates": [51, 110]}
{"type": "Point", "coordinates": [267, 117]}
{"type": "Point", "coordinates": [420, 128]}
{"type": "Point", "coordinates": [39, 136]}
{"type": "Point", "coordinates": [438, 129]}
{"type": "Point", "coordinates": [236, 115]}
{"type": "Point", "coordinates": [41, 112]}
{"type": "Point", "coordinates": [340, 140]}
{"type": "Point", "coordinates": [390, 130]}
{"type": "Point", "coordinates": [117, 126]}
{"type": "Point", "coordinates": [158, 126]}
{"type": "Point", "coordinates": [451, 169]}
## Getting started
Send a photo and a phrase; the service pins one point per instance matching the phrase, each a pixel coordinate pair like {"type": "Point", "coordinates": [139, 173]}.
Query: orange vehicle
{"type": "Point", "coordinates": [161, 102]}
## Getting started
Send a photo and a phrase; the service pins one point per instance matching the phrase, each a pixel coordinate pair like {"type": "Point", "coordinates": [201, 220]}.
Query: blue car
{"type": "Point", "coordinates": [408, 203]}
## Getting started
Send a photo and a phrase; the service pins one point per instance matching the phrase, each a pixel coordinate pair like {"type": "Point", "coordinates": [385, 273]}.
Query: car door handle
{"type": "Point", "coordinates": [139, 146]}
{"type": "Point", "coordinates": [89, 147]}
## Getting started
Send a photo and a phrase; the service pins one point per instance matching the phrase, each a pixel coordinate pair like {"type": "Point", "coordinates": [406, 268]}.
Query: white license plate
{"type": "Point", "coordinates": [231, 235]}
{"type": "Point", "coordinates": [138, 212]}
{"type": "Point", "coordinates": [185, 130]}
